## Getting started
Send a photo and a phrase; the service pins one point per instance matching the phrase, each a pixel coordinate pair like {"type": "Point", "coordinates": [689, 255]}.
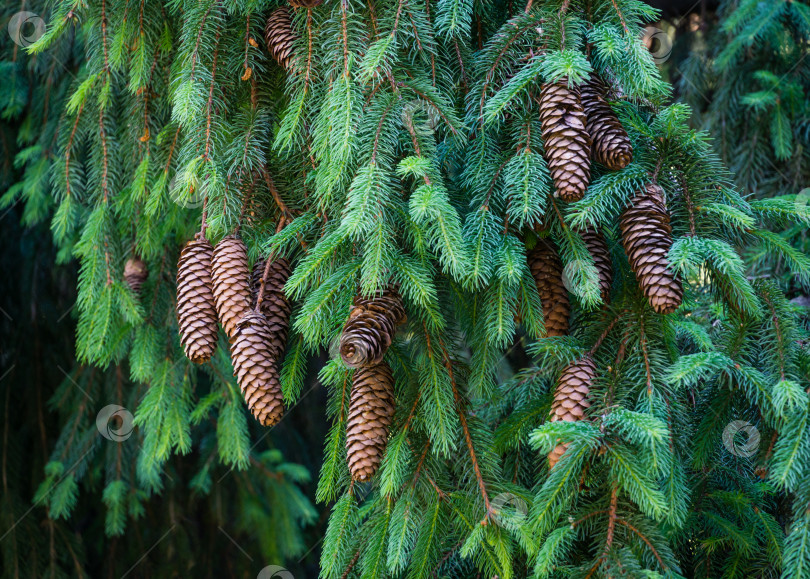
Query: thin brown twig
{"type": "Point", "coordinates": [614, 501]}
{"type": "Point", "coordinates": [209, 105]}
{"type": "Point", "coordinates": [603, 336]}
{"type": "Point", "coordinates": [69, 146]}
{"type": "Point", "coordinates": [465, 428]}
{"type": "Point", "coordinates": [645, 539]}
{"type": "Point", "coordinates": [621, 16]}
{"type": "Point", "coordinates": [285, 211]}
{"type": "Point", "coordinates": [267, 263]}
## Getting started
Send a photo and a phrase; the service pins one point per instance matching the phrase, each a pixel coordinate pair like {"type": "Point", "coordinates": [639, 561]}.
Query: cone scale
{"type": "Point", "coordinates": [565, 139]}
{"type": "Point", "coordinates": [275, 306]}
{"type": "Point", "coordinates": [280, 37]}
{"type": "Point", "coordinates": [571, 398]}
{"type": "Point", "coordinates": [611, 146]}
{"type": "Point", "coordinates": [256, 369]}
{"type": "Point", "coordinates": [196, 313]}
{"type": "Point", "coordinates": [597, 247]}
{"type": "Point", "coordinates": [370, 328]}
{"type": "Point", "coordinates": [547, 271]}
{"type": "Point", "coordinates": [371, 409]}
{"type": "Point", "coordinates": [135, 273]}
{"type": "Point", "coordinates": [231, 279]}
{"type": "Point", "coordinates": [647, 238]}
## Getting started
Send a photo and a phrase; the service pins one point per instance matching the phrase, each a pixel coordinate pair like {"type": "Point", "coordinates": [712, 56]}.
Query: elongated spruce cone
{"type": "Point", "coordinates": [135, 273]}
{"type": "Point", "coordinates": [571, 398]}
{"type": "Point", "coordinates": [196, 314]}
{"type": "Point", "coordinates": [280, 37]}
{"type": "Point", "coordinates": [611, 146]}
{"type": "Point", "coordinates": [256, 369]}
{"type": "Point", "coordinates": [371, 409]}
{"type": "Point", "coordinates": [370, 328]}
{"type": "Point", "coordinates": [566, 142]}
{"type": "Point", "coordinates": [597, 247]}
{"type": "Point", "coordinates": [275, 306]}
{"type": "Point", "coordinates": [647, 237]}
{"type": "Point", "coordinates": [231, 277]}
{"type": "Point", "coordinates": [547, 270]}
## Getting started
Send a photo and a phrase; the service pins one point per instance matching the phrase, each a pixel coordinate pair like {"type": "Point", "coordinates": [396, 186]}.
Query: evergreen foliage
{"type": "Point", "coordinates": [747, 77]}
{"type": "Point", "coordinates": [402, 145]}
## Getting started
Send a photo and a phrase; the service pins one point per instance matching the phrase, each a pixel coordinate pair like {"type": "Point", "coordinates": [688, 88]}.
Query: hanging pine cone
{"type": "Point", "coordinates": [196, 313]}
{"type": "Point", "coordinates": [611, 146]}
{"type": "Point", "coordinates": [256, 369]}
{"type": "Point", "coordinates": [370, 412]}
{"type": "Point", "coordinates": [547, 270]}
{"type": "Point", "coordinates": [567, 144]}
{"type": "Point", "coordinates": [135, 273]}
{"type": "Point", "coordinates": [571, 398]}
{"type": "Point", "coordinates": [275, 306]}
{"type": "Point", "coordinates": [370, 328]}
{"type": "Point", "coordinates": [647, 237]}
{"type": "Point", "coordinates": [229, 270]}
{"type": "Point", "coordinates": [597, 247]}
{"type": "Point", "coordinates": [280, 37]}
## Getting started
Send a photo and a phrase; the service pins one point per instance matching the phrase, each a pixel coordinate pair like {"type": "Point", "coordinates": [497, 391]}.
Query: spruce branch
{"type": "Point", "coordinates": [488, 511]}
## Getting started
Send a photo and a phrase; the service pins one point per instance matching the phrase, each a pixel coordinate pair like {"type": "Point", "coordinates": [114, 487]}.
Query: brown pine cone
{"type": "Point", "coordinates": [370, 328]}
{"type": "Point", "coordinates": [611, 146]}
{"type": "Point", "coordinates": [371, 409]}
{"type": "Point", "coordinates": [275, 306]}
{"type": "Point", "coordinates": [231, 277]}
{"type": "Point", "coordinates": [567, 143]}
{"type": "Point", "coordinates": [597, 247]}
{"type": "Point", "coordinates": [547, 270]}
{"type": "Point", "coordinates": [256, 369]}
{"type": "Point", "coordinates": [647, 237]}
{"type": "Point", "coordinates": [196, 314]}
{"type": "Point", "coordinates": [135, 273]}
{"type": "Point", "coordinates": [280, 37]}
{"type": "Point", "coordinates": [571, 398]}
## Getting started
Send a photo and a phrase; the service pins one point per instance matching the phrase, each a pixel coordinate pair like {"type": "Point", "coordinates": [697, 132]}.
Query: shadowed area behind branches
{"type": "Point", "coordinates": [37, 332]}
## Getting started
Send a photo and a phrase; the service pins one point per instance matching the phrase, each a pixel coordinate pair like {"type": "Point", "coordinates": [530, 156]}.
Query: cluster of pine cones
{"type": "Point", "coordinates": [215, 283]}
{"type": "Point", "coordinates": [578, 125]}
{"type": "Point", "coordinates": [366, 336]}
